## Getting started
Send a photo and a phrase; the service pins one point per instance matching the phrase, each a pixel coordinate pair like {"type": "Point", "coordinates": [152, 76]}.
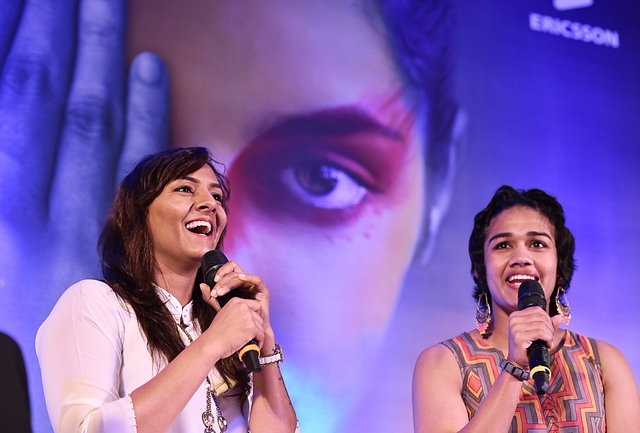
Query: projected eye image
{"type": "Point", "coordinates": [346, 158]}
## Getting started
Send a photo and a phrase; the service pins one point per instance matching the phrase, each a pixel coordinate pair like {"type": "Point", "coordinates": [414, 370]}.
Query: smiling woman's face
{"type": "Point", "coordinates": [303, 103]}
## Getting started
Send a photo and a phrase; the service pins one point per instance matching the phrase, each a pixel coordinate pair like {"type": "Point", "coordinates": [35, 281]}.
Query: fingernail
{"type": "Point", "coordinates": [148, 68]}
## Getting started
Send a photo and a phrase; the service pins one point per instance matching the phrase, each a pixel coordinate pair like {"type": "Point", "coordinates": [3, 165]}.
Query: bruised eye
{"type": "Point", "coordinates": [323, 185]}
{"type": "Point", "coordinates": [326, 168]}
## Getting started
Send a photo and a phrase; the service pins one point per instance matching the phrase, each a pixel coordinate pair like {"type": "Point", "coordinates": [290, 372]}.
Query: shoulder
{"type": "Point", "coordinates": [87, 301]}
{"type": "Point", "coordinates": [610, 356]}
{"type": "Point", "coordinates": [439, 357]}
{"type": "Point", "coordinates": [436, 373]}
{"type": "Point", "coordinates": [605, 353]}
{"type": "Point", "coordinates": [88, 292]}
{"type": "Point", "coordinates": [613, 364]}
{"type": "Point", "coordinates": [88, 287]}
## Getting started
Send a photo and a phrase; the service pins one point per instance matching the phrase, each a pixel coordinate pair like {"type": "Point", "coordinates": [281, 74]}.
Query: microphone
{"type": "Point", "coordinates": [530, 294]}
{"type": "Point", "coordinates": [211, 262]}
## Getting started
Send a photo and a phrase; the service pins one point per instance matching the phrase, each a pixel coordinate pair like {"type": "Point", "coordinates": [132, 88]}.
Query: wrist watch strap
{"type": "Point", "coordinates": [514, 371]}
{"type": "Point", "coordinates": [275, 357]}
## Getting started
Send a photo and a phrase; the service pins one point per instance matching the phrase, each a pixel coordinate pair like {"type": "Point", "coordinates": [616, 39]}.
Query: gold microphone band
{"type": "Point", "coordinates": [246, 349]}
{"type": "Point", "coordinates": [541, 368]}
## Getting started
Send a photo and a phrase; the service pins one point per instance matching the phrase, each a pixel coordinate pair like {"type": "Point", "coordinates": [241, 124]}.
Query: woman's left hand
{"type": "Point", "coordinates": [230, 277]}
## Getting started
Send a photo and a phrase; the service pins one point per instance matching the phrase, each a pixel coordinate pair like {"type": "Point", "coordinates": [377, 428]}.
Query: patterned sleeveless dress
{"type": "Point", "coordinates": [574, 402]}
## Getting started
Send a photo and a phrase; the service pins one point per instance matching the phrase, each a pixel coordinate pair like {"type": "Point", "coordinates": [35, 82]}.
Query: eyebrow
{"type": "Point", "coordinates": [334, 121]}
{"type": "Point", "coordinates": [529, 234]}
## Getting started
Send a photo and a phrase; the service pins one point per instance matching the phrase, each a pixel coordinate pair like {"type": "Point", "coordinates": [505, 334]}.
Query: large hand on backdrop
{"type": "Point", "coordinates": [70, 126]}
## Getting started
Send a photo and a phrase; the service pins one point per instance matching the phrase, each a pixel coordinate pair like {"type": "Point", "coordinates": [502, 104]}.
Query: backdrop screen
{"type": "Point", "coordinates": [360, 139]}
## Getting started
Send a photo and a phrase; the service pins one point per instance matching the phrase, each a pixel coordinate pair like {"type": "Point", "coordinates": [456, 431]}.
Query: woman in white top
{"type": "Point", "coordinates": [148, 349]}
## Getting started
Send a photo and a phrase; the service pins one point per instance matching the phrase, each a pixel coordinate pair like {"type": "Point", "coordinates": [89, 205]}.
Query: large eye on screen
{"type": "Point", "coordinates": [324, 172]}
{"type": "Point", "coordinates": [322, 184]}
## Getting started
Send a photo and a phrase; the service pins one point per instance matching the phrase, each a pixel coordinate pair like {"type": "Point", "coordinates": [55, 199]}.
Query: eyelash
{"type": "Point", "coordinates": [342, 189]}
{"type": "Point", "coordinates": [216, 196]}
{"type": "Point", "coordinates": [534, 243]}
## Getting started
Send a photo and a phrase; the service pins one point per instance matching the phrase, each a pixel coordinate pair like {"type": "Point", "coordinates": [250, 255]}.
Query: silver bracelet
{"type": "Point", "coordinates": [274, 358]}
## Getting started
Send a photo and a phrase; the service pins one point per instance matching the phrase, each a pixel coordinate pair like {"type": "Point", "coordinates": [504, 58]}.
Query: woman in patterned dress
{"type": "Point", "coordinates": [479, 381]}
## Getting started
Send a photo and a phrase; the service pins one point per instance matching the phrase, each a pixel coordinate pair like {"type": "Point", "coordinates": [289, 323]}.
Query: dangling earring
{"type": "Point", "coordinates": [483, 314]}
{"type": "Point", "coordinates": [562, 304]}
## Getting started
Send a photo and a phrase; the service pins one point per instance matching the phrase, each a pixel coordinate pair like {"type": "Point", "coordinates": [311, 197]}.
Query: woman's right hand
{"type": "Point", "coordinates": [527, 326]}
{"type": "Point", "coordinates": [234, 325]}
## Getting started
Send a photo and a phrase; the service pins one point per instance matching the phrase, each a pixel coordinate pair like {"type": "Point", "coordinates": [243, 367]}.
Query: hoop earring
{"type": "Point", "coordinates": [483, 314]}
{"type": "Point", "coordinates": [562, 304]}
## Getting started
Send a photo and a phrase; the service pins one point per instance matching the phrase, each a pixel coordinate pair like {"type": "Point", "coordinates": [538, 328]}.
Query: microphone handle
{"type": "Point", "coordinates": [539, 362]}
{"type": "Point", "coordinates": [250, 351]}
{"type": "Point", "coordinates": [249, 356]}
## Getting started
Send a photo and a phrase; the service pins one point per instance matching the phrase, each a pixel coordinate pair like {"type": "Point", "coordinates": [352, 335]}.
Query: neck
{"type": "Point", "coordinates": [179, 285]}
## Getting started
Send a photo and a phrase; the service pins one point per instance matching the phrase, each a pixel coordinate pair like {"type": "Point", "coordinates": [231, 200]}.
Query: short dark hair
{"type": "Point", "coordinates": [505, 198]}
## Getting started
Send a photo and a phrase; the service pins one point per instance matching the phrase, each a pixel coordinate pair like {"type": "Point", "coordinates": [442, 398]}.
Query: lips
{"type": "Point", "coordinates": [199, 227]}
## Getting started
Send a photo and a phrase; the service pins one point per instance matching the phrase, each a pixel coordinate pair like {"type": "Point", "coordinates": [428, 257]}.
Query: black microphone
{"type": "Point", "coordinates": [530, 294]}
{"type": "Point", "coordinates": [211, 262]}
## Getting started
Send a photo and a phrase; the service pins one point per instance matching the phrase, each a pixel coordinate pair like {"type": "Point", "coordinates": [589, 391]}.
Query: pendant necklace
{"type": "Point", "coordinates": [207, 415]}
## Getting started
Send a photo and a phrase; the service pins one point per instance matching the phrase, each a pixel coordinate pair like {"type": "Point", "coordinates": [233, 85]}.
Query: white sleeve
{"type": "Point", "coordinates": [79, 348]}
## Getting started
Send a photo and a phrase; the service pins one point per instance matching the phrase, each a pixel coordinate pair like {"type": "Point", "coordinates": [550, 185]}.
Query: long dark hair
{"type": "Point", "coordinates": [505, 198]}
{"type": "Point", "coordinates": [128, 263]}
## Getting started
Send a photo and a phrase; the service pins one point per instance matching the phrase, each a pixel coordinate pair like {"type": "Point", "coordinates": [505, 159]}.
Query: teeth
{"type": "Point", "coordinates": [193, 226]}
{"type": "Point", "coordinates": [514, 278]}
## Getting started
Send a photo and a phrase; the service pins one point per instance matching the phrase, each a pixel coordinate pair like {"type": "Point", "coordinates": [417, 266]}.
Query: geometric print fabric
{"type": "Point", "coordinates": [574, 402]}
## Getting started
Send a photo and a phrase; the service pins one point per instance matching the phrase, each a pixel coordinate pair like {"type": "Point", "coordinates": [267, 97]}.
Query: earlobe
{"type": "Point", "coordinates": [439, 188]}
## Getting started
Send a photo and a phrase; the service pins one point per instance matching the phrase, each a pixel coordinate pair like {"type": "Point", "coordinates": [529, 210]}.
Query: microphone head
{"type": "Point", "coordinates": [530, 294]}
{"type": "Point", "coordinates": [210, 264]}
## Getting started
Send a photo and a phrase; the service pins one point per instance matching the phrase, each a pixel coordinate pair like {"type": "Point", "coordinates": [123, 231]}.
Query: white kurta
{"type": "Point", "coordinates": [93, 355]}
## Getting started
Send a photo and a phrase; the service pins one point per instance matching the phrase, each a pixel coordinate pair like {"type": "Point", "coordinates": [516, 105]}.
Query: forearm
{"type": "Point", "coordinates": [272, 410]}
{"type": "Point", "coordinates": [159, 402]}
{"type": "Point", "coordinates": [498, 407]}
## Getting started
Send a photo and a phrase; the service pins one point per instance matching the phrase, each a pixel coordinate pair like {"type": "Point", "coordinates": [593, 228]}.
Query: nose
{"type": "Point", "coordinates": [520, 257]}
{"type": "Point", "coordinates": [205, 201]}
